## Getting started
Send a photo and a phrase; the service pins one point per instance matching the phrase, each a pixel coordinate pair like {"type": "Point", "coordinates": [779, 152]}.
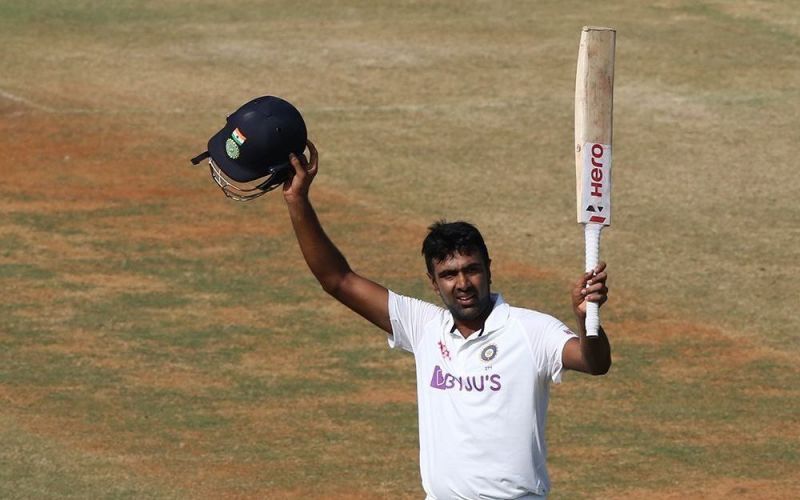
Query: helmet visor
{"type": "Point", "coordinates": [242, 191]}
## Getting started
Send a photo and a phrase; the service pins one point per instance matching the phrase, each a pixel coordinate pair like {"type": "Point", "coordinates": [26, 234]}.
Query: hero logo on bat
{"type": "Point", "coordinates": [597, 170]}
{"type": "Point", "coordinates": [596, 182]}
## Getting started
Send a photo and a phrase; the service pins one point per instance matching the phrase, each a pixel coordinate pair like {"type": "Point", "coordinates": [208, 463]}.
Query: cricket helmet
{"type": "Point", "coordinates": [250, 155]}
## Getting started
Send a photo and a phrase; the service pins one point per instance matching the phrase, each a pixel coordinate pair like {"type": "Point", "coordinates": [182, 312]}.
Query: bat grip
{"type": "Point", "coordinates": [592, 238]}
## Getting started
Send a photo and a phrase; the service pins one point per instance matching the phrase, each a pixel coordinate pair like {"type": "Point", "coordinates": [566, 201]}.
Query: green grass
{"type": "Point", "coordinates": [36, 467]}
{"type": "Point", "coordinates": [160, 341]}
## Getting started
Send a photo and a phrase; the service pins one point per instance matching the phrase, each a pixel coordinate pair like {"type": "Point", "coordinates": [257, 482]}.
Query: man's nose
{"type": "Point", "coordinates": [461, 281]}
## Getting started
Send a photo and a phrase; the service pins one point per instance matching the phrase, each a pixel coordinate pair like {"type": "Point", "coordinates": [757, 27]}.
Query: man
{"type": "Point", "coordinates": [483, 367]}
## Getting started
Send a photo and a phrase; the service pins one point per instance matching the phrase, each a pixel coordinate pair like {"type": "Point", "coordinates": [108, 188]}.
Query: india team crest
{"type": "Point", "coordinates": [232, 149]}
{"type": "Point", "coordinates": [489, 352]}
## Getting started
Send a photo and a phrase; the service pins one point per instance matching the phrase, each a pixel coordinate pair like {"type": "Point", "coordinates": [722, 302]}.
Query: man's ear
{"type": "Point", "coordinates": [489, 270]}
{"type": "Point", "coordinates": [434, 285]}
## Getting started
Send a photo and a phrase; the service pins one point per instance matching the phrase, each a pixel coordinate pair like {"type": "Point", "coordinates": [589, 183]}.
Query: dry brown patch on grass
{"type": "Point", "coordinates": [698, 347]}
{"type": "Point", "coordinates": [79, 342]}
{"type": "Point", "coordinates": [584, 454]}
{"type": "Point", "coordinates": [386, 394]}
{"type": "Point", "coordinates": [336, 493]}
{"type": "Point", "coordinates": [310, 363]}
{"type": "Point", "coordinates": [128, 185]}
{"type": "Point", "coordinates": [237, 315]}
{"type": "Point", "coordinates": [275, 423]}
{"type": "Point", "coordinates": [695, 432]}
{"type": "Point", "coordinates": [774, 14]}
{"type": "Point", "coordinates": [20, 396]}
{"type": "Point", "coordinates": [70, 431]}
{"type": "Point", "coordinates": [24, 292]}
{"type": "Point", "coordinates": [771, 391]}
{"type": "Point", "coordinates": [187, 379]}
{"type": "Point", "coordinates": [661, 331]}
{"type": "Point", "coordinates": [250, 316]}
{"type": "Point", "coordinates": [518, 271]}
{"type": "Point", "coordinates": [50, 250]}
{"type": "Point", "coordinates": [104, 284]}
{"type": "Point", "coordinates": [165, 229]}
{"type": "Point", "coordinates": [716, 488]}
{"type": "Point", "coordinates": [172, 463]}
{"type": "Point", "coordinates": [648, 332]}
{"type": "Point", "coordinates": [664, 106]}
{"type": "Point", "coordinates": [51, 318]}
{"type": "Point", "coordinates": [110, 352]}
{"type": "Point", "coordinates": [80, 164]}
{"type": "Point", "coordinates": [282, 417]}
{"type": "Point", "coordinates": [268, 361]}
{"type": "Point", "coordinates": [378, 241]}
{"type": "Point", "coordinates": [53, 204]}
{"type": "Point", "coordinates": [70, 141]}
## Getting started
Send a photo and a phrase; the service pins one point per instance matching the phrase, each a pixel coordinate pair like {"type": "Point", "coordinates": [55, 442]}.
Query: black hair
{"type": "Point", "coordinates": [445, 239]}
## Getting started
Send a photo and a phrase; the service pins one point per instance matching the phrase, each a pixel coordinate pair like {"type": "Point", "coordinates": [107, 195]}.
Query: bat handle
{"type": "Point", "coordinates": [592, 237]}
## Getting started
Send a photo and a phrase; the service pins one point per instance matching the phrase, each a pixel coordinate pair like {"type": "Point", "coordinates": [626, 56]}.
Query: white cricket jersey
{"type": "Point", "coordinates": [482, 400]}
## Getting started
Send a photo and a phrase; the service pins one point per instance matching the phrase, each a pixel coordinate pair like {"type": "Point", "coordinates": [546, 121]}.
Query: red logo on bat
{"type": "Point", "coordinates": [597, 171]}
{"type": "Point", "coordinates": [597, 176]}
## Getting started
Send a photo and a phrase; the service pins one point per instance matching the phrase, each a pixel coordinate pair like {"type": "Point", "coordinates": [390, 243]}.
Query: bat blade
{"type": "Point", "coordinates": [594, 106]}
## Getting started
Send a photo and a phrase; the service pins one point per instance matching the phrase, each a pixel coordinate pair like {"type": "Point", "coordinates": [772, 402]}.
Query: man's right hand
{"type": "Point", "coordinates": [296, 187]}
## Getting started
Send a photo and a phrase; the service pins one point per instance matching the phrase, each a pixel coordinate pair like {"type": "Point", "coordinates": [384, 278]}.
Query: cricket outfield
{"type": "Point", "coordinates": [161, 341]}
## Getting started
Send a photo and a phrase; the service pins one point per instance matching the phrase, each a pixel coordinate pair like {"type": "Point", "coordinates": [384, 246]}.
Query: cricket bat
{"type": "Point", "coordinates": [594, 105]}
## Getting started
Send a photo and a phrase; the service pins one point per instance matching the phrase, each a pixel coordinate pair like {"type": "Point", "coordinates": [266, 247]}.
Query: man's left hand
{"type": "Point", "coordinates": [591, 287]}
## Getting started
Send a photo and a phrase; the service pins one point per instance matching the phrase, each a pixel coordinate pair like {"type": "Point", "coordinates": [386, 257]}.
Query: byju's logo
{"type": "Point", "coordinates": [478, 383]}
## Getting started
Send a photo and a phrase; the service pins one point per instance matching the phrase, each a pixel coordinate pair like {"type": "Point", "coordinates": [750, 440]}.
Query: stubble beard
{"type": "Point", "coordinates": [470, 314]}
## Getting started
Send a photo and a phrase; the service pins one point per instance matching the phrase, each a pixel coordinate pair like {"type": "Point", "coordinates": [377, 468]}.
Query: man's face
{"type": "Point", "coordinates": [462, 281]}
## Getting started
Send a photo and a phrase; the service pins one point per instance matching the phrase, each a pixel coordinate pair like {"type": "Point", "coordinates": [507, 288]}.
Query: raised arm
{"type": "Point", "coordinates": [588, 354]}
{"type": "Point", "coordinates": [326, 262]}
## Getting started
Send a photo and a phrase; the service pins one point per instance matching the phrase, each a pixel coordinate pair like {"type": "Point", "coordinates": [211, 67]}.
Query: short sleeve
{"type": "Point", "coordinates": [409, 317]}
{"type": "Point", "coordinates": [557, 337]}
{"type": "Point", "coordinates": [548, 348]}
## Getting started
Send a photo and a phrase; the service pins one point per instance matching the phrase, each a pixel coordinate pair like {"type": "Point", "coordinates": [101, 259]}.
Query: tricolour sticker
{"type": "Point", "coordinates": [238, 136]}
{"type": "Point", "coordinates": [596, 184]}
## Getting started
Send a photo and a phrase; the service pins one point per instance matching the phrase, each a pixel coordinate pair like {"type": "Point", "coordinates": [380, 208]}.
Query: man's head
{"type": "Point", "coordinates": [459, 269]}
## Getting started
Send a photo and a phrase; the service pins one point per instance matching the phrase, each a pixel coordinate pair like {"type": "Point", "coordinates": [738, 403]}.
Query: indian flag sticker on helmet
{"type": "Point", "coordinates": [238, 136]}
{"type": "Point", "coordinates": [231, 149]}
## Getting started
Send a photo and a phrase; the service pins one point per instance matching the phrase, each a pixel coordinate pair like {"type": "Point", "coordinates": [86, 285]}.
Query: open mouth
{"type": "Point", "coordinates": [467, 300]}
